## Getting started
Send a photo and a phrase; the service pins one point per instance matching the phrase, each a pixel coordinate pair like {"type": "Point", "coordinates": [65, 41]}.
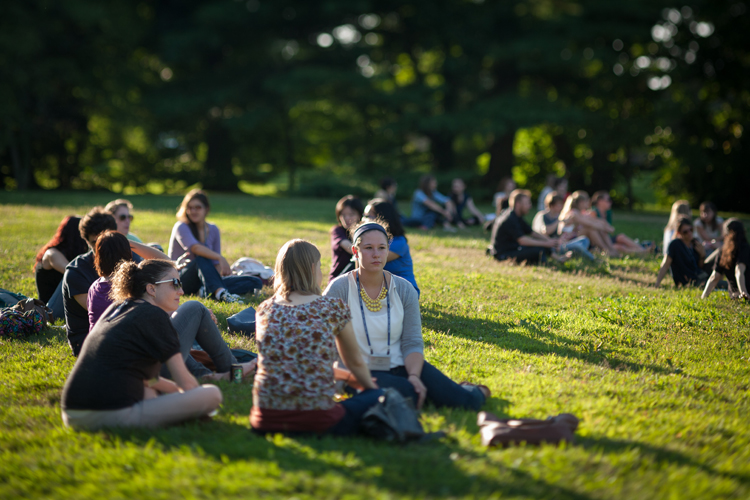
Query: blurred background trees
{"type": "Point", "coordinates": [647, 99]}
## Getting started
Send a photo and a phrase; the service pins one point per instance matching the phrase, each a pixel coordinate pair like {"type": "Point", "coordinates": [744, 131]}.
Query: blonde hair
{"type": "Point", "coordinates": [294, 269]}
{"type": "Point", "coordinates": [114, 206]}
{"type": "Point", "coordinates": [516, 194]}
{"type": "Point", "coordinates": [573, 201]}
{"type": "Point", "coordinates": [679, 207]}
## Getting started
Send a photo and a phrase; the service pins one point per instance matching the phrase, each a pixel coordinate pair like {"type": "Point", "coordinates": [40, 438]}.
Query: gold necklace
{"type": "Point", "coordinates": [373, 305]}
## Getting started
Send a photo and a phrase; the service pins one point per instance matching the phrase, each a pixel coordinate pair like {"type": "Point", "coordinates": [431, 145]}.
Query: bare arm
{"type": "Point", "coordinates": [433, 205]}
{"type": "Point", "coordinates": [81, 298]}
{"type": "Point", "coordinates": [162, 385]}
{"type": "Point", "coordinates": [663, 270]}
{"type": "Point", "coordinates": [530, 241]}
{"type": "Point", "coordinates": [474, 210]}
{"type": "Point", "coordinates": [346, 246]}
{"type": "Point", "coordinates": [739, 275]}
{"type": "Point", "coordinates": [346, 343]}
{"type": "Point", "coordinates": [54, 259]}
{"type": "Point", "coordinates": [711, 284]}
{"type": "Point", "coordinates": [592, 222]}
{"type": "Point", "coordinates": [146, 251]}
{"type": "Point", "coordinates": [180, 373]}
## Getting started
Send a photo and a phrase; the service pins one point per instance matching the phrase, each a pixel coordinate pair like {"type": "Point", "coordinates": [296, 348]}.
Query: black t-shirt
{"type": "Point", "coordinates": [46, 282]}
{"type": "Point", "coordinates": [506, 230]}
{"type": "Point", "coordinates": [743, 257]}
{"type": "Point", "coordinates": [684, 262]}
{"type": "Point", "coordinates": [123, 349]}
{"type": "Point", "coordinates": [79, 275]}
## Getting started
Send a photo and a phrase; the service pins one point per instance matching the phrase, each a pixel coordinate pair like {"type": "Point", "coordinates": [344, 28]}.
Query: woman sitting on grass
{"type": "Point", "coordinates": [733, 262]}
{"type": "Point", "coordinates": [196, 246]}
{"type": "Point", "coordinates": [192, 320]}
{"type": "Point", "coordinates": [115, 381]}
{"type": "Point", "coordinates": [429, 207]}
{"type": "Point", "coordinates": [298, 334]}
{"type": "Point", "coordinates": [708, 226]}
{"type": "Point", "coordinates": [576, 220]}
{"type": "Point", "coordinates": [399, 256]}
{"type": "Point", "coordinates": [602, 208]}
{"type": "Point", "coordinates": [680, 208]}
{"type": "Point", "coordinates": [51, 260]}
{"type": "Point", "coordinates": [388, 327]}
{"type": "Point", "coordinates": [349, 211]}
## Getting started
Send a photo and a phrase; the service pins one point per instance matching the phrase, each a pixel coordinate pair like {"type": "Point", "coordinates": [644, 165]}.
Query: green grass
{"type": "Point", "coordinates": [659, 379]}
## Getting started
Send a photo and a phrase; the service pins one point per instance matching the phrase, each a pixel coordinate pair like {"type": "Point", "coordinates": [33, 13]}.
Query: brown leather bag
{"type": "Point", "coordinates": [37, 305]}
{"type": "Point", "coordinates": [504, 432]}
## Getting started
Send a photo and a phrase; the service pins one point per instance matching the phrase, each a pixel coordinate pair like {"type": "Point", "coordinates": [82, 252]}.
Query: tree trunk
{"type": "Point", "coordinates": [218, 173]}
{"type": "Point", "coordinates": [19, 154]}
{"type": "Point", "coordinates": [441, 146]}
{"type": "Point", "coordinates": [501, 159]}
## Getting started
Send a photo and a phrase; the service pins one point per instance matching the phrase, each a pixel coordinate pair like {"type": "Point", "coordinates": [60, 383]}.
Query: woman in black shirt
{"type": "Point", "coordinates": [115, 381]}
{"type": "Point", "coordinates": [733, 261]}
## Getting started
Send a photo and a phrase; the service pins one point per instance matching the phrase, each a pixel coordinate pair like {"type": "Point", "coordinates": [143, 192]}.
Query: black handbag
{"type": "Point", "coordinates": [394, 418]}
{"type": "Point", "coordinates": [243, 322]}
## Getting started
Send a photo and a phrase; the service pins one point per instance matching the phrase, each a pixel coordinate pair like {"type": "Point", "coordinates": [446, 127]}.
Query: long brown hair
{"type": "Point", "coordinates": [708, 205]}
{"type": "Point", "coordinates": [193, 194]}
{"type": "Point", "coordinates": [734, 239]}
{"type": "Point", "coordinates": [424, 184]}
{"type": "Point", "coordinates": [67, 240]}
{"type": "Point", "coordinates": [294, 269]}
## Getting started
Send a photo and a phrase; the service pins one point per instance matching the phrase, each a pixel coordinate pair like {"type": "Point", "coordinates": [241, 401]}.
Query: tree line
{"type": "Point", "coordinates": [132, 92]}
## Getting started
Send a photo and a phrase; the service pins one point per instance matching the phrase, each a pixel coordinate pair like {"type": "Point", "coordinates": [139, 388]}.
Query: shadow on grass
{"type": "Point", "coordinates": [658, 455]}
{"type": "Point", "coordinates": [534, 340]}
{"type": "Point", "coordinates": [434, 469]}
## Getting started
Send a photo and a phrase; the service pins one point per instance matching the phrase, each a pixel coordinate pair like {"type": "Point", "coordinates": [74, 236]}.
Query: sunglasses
{"type": "Point", "coordinates": [123, 217]}
{"type": "Point", "coordinates": [176, 283]}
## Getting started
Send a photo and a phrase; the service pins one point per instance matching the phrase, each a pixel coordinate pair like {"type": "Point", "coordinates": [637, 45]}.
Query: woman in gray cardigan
{"type": "Point", "coordinates": [388, 326]}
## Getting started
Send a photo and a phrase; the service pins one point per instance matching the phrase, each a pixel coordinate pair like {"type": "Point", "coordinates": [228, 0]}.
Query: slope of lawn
{"type": "Point", "coordinates": [659, 379]}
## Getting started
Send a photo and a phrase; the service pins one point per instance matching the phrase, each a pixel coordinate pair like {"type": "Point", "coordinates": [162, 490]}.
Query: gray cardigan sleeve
{"type": "Point", "coordinates": [411, 335]}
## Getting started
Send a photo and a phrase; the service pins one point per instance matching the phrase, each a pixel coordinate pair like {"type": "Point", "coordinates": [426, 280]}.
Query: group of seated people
{"type": "Point", "coordinates": [132, 337]}
{"type": "Point", "coordinates": [702, 252]}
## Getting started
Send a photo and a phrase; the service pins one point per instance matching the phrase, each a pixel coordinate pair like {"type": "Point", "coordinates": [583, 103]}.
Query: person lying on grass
{"type": "Point", "coordinates": [192, 320]}
{"type": "Point", "coordinates": [683, 257]}
{"type": "Point", "coordinates": [388, 326]}
{"type": "Point", "coordinates": [115, 381]}
{"type": "Point", "coordinates": [349, 211]}
{"type": "Point", "coordinates": [601, 204]}
{"type": "Point", "coordinates": [512, 237]}
{"type": "Point", "coordinates": [298, 334]}
{"type": "Point", "coordinates": [195, 244]}
{"type": "Point", "coordinates": [80, 274]}
{"type": "Point", "coordinates": [733, 261]}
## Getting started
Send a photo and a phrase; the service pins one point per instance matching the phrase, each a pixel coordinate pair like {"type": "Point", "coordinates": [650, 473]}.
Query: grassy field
{"type": "Point", "coordinates": [659, 378]}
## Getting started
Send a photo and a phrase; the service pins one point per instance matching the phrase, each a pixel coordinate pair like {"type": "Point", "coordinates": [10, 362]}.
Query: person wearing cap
{"type": "Point", "coordinates": [388, 326]}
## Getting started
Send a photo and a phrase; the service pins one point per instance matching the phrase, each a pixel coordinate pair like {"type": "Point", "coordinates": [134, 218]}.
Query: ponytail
{"type": "Point", "coordinates": [130, 279]}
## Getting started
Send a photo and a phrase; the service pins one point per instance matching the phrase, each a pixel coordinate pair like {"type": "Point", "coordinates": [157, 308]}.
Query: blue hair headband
{"type": "Point", "coordinates": [370, 226]}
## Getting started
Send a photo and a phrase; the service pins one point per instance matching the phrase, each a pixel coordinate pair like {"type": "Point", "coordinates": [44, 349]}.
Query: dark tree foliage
{"type": "Point", "coordinates": [136, 94]}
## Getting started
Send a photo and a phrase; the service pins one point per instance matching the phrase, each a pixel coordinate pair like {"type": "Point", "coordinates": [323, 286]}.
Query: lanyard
{"type": "Point", "coordinates": [364, 320]}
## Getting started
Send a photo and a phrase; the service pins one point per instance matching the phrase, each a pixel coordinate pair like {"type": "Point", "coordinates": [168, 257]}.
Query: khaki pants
{"type": "Point", "coordinates": [151, 412]}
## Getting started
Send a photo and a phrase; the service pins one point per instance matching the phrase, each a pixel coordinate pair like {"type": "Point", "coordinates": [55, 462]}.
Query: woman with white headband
{"type": "Point", "coordinates": [388, 326]}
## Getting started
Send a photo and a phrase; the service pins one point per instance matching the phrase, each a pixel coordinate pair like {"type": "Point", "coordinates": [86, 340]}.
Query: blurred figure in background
{"type": "Point", "coordinates": [549, 186]}
{"type": "Point", "coordinates": [601, 204]}
{"type": "Point", "coordinates": [462, 200]}
{"type": "Point", "coordinates": [679, 208]}
{"type": "Point", "coordinates": [349, 211]}
{"type": "Point", "coordinates": [429, 207]}
{"type": "Point", "coordinates": [682, 257]}
{"type": "Point", "coordinates": [733, 262]}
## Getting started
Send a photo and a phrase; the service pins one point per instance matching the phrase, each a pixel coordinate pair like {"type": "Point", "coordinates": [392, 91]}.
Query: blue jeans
{"type": "Point", "coordinates": [201, 272]}
{"type": "Point", "coordinates": [441, 391]}
{"type": "Point", "coordinates": [355, 407]}
{"type": "Point", "coordinates": [56, 303]}
{"type": "Point", "coordinates": [579, 246]}
{"type": "Point", "coordinates": [428, 220]}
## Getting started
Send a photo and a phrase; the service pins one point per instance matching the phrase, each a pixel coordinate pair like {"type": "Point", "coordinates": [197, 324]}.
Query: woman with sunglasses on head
{"type": "Point", "coordinates": [121, 210]}
{"type": "Point", "coordinates": [399, 257]}
{"type": "Point", "coordinates": [388, 326]}
{"type": "Point", "coordinates": [733, 261]}
{"type": "Point", "coordinates": [195, 244]}
{"type": "Point", "coordinates": [192, 320]}
{"type": "Point", "coordinates": [299, 334]}
{"type": "Point", "coordinates": [115, 381]}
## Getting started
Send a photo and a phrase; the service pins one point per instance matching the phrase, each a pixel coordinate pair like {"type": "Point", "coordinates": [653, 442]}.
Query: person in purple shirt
{"type": "Point", "coordinates": [195, 245]}
{"type": "Point", "coordinates": [192, 321]}
{"type": "Point", "coordinates": [349, 212]}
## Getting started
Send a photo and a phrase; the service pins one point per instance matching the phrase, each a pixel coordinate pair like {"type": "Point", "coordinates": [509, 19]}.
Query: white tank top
{"type": "Point", "coordinates": [377, 324]}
